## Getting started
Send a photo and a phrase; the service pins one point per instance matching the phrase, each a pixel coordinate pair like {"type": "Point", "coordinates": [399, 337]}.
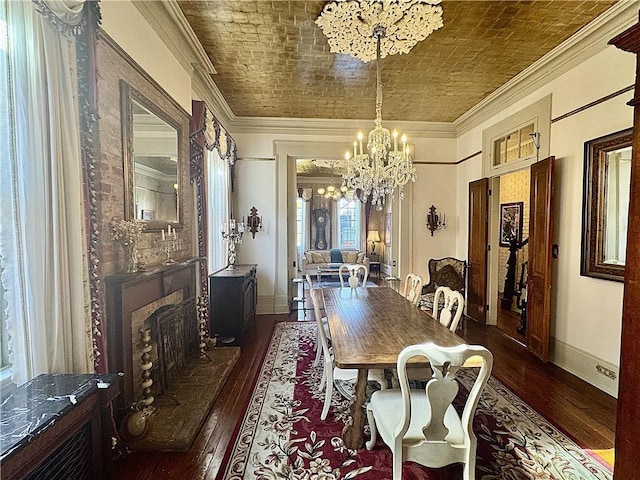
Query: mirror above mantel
{"type": "Point", "coordinates": [152, 161]}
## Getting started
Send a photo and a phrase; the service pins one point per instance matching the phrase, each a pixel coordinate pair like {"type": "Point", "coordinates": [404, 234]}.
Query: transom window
{"type": "Point", "coordinates": [517, 144]}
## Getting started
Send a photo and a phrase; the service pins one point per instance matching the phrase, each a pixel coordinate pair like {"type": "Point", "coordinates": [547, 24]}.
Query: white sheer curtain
{"type": "Point", "coordinates": [41, 232]}
{"type": "Point", "coordinates": [218, 188]}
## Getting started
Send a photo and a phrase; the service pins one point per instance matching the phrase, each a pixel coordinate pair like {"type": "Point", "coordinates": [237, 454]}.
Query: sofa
{"type": "Point", "coordinates": [329, 260]}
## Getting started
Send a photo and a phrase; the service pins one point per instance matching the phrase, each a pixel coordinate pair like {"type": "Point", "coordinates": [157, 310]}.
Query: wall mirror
{"type": "Point", "coordinates": [151, 148]}
{"type": "Point", "coordinates": [607, 178]}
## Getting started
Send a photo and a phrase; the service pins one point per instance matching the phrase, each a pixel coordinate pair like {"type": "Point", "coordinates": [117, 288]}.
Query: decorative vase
{"type": "Point", "coordinates": [130, 258]}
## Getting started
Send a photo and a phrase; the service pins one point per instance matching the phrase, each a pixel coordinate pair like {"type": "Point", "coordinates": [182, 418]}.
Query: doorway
{"type": "Point", "coordinates": [512, 213]}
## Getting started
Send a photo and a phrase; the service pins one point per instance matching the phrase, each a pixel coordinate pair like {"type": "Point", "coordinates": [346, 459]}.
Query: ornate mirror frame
{"type": "Point", "coordinates": [594, 204]}
{"type": "Point", "coordinates": [128, 94]}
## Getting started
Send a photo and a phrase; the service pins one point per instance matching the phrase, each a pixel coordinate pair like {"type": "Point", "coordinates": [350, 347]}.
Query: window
{"type": "Point", "coordinates": [218, 181]}
{"type": "Point", "coordinates": [509, 145]}
{"type": "Point", "coordinates": [349, 223]}
{"type": "Point", "coordinates": [516, 145]}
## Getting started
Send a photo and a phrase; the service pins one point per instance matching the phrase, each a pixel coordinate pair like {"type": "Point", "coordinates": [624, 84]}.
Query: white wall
{"type": "Point", "coordinates": [587, 312]}
{"type": "Point", "coordinates": [124, 23]}
{"type": "Point", "coordinates": [254, 179]}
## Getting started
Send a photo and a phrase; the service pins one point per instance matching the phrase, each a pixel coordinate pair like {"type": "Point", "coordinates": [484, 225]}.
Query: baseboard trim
{"type": "Point", "coordinates": [269, 304]}
{"type": "Point", "coordinates": [585, 366]}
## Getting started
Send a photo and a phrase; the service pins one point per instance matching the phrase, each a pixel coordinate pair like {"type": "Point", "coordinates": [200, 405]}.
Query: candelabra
{"type": "Point", "coordinates": [232, 233]}
{"type": "Point", "coordinates": [202, 326]}
{"type": "Point", "coordinates": [169, 243]}
{"type": "Point", "coordinates": [147, 364]}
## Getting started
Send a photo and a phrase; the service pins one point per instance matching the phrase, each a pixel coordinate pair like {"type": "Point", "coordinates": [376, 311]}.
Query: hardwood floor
{"type": "Point", "coordinates": [581, 411]}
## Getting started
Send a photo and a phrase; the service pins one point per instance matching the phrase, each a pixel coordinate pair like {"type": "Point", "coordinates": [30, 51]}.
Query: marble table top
{"type": "Point", "coordinates": [28, 410]}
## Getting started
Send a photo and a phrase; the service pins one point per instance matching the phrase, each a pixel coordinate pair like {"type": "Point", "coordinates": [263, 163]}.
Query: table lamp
{"type": "Point", "coordinates": [373, 236]}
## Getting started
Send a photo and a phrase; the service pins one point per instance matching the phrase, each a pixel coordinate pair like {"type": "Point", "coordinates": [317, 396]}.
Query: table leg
{"type": "Point", "coordinates": [353, 434]}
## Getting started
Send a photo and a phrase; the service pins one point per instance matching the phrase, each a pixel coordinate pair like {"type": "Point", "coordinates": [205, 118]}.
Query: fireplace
{"type": "Point", "coordinates": [163, 302]}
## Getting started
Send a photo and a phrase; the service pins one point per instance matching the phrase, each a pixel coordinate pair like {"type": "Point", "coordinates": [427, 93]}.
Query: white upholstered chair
{"type": "Point", "coordinates": [413, 288]}
{"type": "Point", "coordinates": [353, 271]}
{"type": "Point", "coordinates": [422, 425]}
{"type": "Point", "coordinates": [330, 372]}
{"type": "Point", "coordinates": [452, 307]}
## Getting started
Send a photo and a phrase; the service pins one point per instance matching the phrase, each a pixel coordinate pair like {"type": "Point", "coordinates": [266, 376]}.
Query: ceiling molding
{"type": "Point", "coordinates": [585, 43]}
{"type": "Point", "coordinates": [171, 25]}
{"type": "Point", "coordinates": [206, 90]}
{"type": "Point", "coordinates": [323, 126]}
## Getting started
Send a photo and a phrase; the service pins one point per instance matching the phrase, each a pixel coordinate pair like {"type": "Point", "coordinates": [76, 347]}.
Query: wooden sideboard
{"type": "Point", "coordinates": [232, 302]}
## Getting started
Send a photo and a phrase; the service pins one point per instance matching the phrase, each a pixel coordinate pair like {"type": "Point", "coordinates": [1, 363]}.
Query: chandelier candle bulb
{"type": "Point", "coordinates": [395, 140]}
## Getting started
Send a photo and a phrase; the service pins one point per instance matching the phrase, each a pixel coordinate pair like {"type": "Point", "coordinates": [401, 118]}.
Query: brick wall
{"type": "Point", "coordinates": [514, 187]}
{"type": "Point", "coordinates": [114, 65]}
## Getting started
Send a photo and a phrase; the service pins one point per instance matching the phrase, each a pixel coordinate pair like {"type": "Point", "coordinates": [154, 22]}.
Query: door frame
{"type": "Point", "coordinates": [493, 281]}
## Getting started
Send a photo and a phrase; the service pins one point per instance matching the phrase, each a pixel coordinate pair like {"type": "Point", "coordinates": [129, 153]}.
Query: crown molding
{"type": "Point", "coordinates": [206, 90]}
{"type": "Point", "coordinates": [585, 43]}
{"type": "Point", "coordinates": [171, 25]}
{"type": "Point", "coordinates": [339, 127]}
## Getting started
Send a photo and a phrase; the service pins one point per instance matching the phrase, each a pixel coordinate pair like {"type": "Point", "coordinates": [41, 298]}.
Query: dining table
{"type": "Point", "coordinates": [369, 327]}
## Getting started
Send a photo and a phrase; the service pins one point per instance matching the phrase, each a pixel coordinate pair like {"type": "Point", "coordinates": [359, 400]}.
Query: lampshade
{"type": "Point", "coordinates": [373, 236]}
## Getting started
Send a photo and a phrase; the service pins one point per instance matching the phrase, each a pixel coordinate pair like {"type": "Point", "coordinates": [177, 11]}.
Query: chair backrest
{"type": "Point", "coordinates": [309, 281]}
{"type": "Point", "coordinates": [442, 389]}
{"type": "Point", "coordinates": [353, 274]}
{"type": "Point", "coordinates": [449, 312]}
{"type": "Point", "coordinates": [446, 272]}
{"type": "Point", "coordinates": [413, 288]}
{"type": "Point", "coordinates": [317, 299]}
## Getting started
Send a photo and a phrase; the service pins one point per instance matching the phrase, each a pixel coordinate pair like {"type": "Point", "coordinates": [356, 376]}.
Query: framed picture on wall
{"type": "Point", "coordinates": [148, 214]}
{"type": "Point", "coordinates": [387, 229]}
{"type": "Point", "coordinates": [510, 223]}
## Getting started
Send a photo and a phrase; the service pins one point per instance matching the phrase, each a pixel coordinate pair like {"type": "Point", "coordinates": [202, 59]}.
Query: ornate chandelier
{"type": "Point", "coordinates": [391, 27]}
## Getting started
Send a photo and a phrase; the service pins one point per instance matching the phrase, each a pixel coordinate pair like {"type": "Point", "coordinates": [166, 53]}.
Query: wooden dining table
{"type": "Point", "coordinates": [369, 327]}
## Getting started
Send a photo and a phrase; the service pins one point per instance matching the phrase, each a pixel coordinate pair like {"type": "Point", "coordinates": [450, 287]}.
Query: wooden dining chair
{"type": "Point", "coordinates": [422, 425]}
{"type": "Point", "coordinates": [447, 309]}
{"type": "Point", "coordinates": [353, 271]}
{"type": "Point", "coordinates": [413, 288]}
{"type": "Point", "coordinates": [323, 319]}
{"type": "Point", "coordinates": [451, 309]}
{"type": "Point", "coordinates": [330, 372]}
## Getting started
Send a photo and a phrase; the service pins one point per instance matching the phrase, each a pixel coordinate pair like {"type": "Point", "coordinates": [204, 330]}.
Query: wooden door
{"type": "Point", "coordinates": [477, 248]}
{"type": "Point", "coordinates": [540, 238]}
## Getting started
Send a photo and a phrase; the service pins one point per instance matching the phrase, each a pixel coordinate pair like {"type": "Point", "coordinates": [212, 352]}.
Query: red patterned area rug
{"type": "Point", "coordinates": [282, 437]}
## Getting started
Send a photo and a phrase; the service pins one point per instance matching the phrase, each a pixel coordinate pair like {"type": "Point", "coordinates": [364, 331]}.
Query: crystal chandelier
{"type": "Point", "coordinates": [395, 26]}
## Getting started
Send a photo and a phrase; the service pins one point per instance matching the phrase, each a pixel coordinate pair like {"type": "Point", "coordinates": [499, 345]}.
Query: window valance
{"type": "Point", "coordinates": [67, 15]}
{"type": "Point", "coordinates": [206, 132]}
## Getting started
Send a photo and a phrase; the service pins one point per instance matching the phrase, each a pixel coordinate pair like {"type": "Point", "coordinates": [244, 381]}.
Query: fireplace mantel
{"type": "Point", "coordinates": [126, 293]}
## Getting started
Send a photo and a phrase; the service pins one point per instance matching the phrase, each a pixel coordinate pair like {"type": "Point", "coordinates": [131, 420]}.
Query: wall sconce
{"type": "Point", "coordinates": [254, 222]}
{"type": "Point", "coordinates": [373, 236]}
{"type": "Point", "coordinates": [435, 221]}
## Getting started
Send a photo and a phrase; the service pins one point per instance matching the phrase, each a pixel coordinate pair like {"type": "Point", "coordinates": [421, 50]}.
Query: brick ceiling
{"type": "Point", "coordinates": [272, 60]}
